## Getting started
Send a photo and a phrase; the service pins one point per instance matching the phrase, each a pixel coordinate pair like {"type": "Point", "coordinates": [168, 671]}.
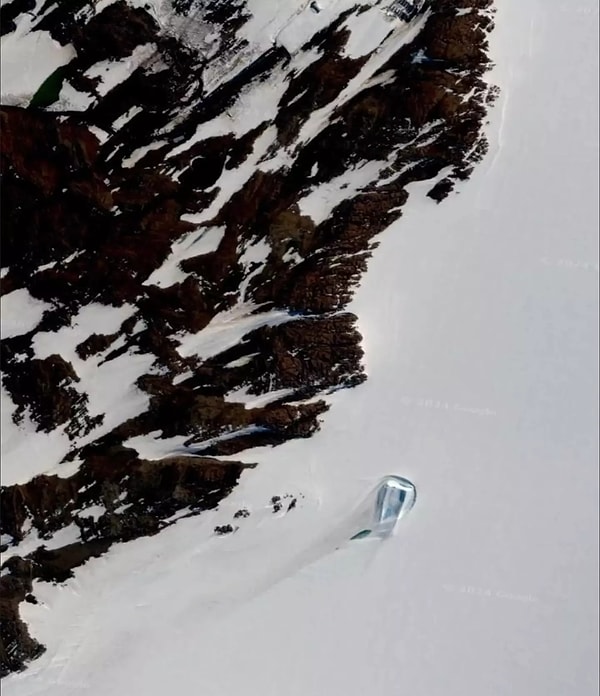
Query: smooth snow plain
{"type": "Point", "coordinates": [480, 325]}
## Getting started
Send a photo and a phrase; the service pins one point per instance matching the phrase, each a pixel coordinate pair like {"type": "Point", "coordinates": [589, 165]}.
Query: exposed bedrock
{"type": "Point", "coordinates": [186, 220]}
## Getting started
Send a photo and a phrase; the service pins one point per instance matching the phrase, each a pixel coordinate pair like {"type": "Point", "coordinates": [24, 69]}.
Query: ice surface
{"type": "Point", "coordinates": [392, 500]}
{"type": "Point", "coordinates": [395, 498]}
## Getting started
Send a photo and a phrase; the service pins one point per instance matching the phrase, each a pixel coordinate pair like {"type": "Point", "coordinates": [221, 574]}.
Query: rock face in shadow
{"type": "Point", "coordinates": [164, 194]}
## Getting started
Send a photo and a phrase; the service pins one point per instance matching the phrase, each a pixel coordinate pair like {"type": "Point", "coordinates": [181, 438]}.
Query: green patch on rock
{"type": "Point", "coordinates": [49, 89]}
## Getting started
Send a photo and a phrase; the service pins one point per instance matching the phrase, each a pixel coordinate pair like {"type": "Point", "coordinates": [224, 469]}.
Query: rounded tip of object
{"type": "Point", "coordinates": [395, 498]}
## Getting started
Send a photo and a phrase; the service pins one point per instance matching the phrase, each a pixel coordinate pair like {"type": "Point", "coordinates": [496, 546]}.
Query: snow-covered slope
{"type": "Point", "coordinates": [191, 196]}
{"type": "Point", "coordinates": [216, 192]}
{"type": "Point", "coordinates": [479, 320]}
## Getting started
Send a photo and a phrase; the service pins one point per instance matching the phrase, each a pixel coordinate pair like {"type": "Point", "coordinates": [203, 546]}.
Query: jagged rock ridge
{"type": "Point", "coordinates": [191, 201]}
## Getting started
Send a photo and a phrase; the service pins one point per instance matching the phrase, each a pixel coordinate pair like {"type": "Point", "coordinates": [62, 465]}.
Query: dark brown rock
{"type": "Point", "coordinates": [70, 198]}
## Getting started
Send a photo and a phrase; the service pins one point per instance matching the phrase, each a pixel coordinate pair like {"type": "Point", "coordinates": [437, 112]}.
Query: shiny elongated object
{"type": "Point", "coordinates": [394, 499]}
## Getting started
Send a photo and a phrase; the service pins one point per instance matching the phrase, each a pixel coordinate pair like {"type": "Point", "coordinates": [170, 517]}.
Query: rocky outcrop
{"type": "Point", "coordinates": [135, 496]}
{"type": "Point", "coordinates": [113, 497]}
{"type": "Point", "coordinates": [44, 389]}
{"type": "Point", "coordinates": [111, 206]}
{"type": "Point", "coordinates": [16, 645]}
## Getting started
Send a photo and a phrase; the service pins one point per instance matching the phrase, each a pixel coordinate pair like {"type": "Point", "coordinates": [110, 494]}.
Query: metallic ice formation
{"type": "Point", "coordinates": [395, 498]}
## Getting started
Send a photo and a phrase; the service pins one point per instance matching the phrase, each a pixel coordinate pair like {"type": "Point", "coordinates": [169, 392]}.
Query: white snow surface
{"type": "Point", "coordinates": [367, 31]}
{"type": "Point", "coordinates": [25, 451]}
{"type": "Point", "coordinates": [190, 245]}
{"type": "Point", "coordinates": [137, 155]}
{"type": "Point", "coordinates": [320, 201]}
{"type": "Point", "coordinates": [113, 72]}
{"type": "Point", "coordinates": [70, 99]}
{"type": "Point", "coordinates": [28, 58]}
{"type": "Point", "coordinates": [243, 396]}
{"type": "Point", "coordinates": [480, 325]}
{"type": "Point", "coordinates": [289, 24]}
{"type": "Point", "coordinates": [93, 318]}
{"type": "Point", "coordinates": [67, 535]}
{"type": "Point", "coordinates": [20, 313]}
{"type": "Point", "coordinates": [227, 329]}
{"type": "Point", "coordinates": [256, 104]}
{"type": "Point", "coordinates": [402, 34]}
{"type": "Point", "coordinates": [110, 387]}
